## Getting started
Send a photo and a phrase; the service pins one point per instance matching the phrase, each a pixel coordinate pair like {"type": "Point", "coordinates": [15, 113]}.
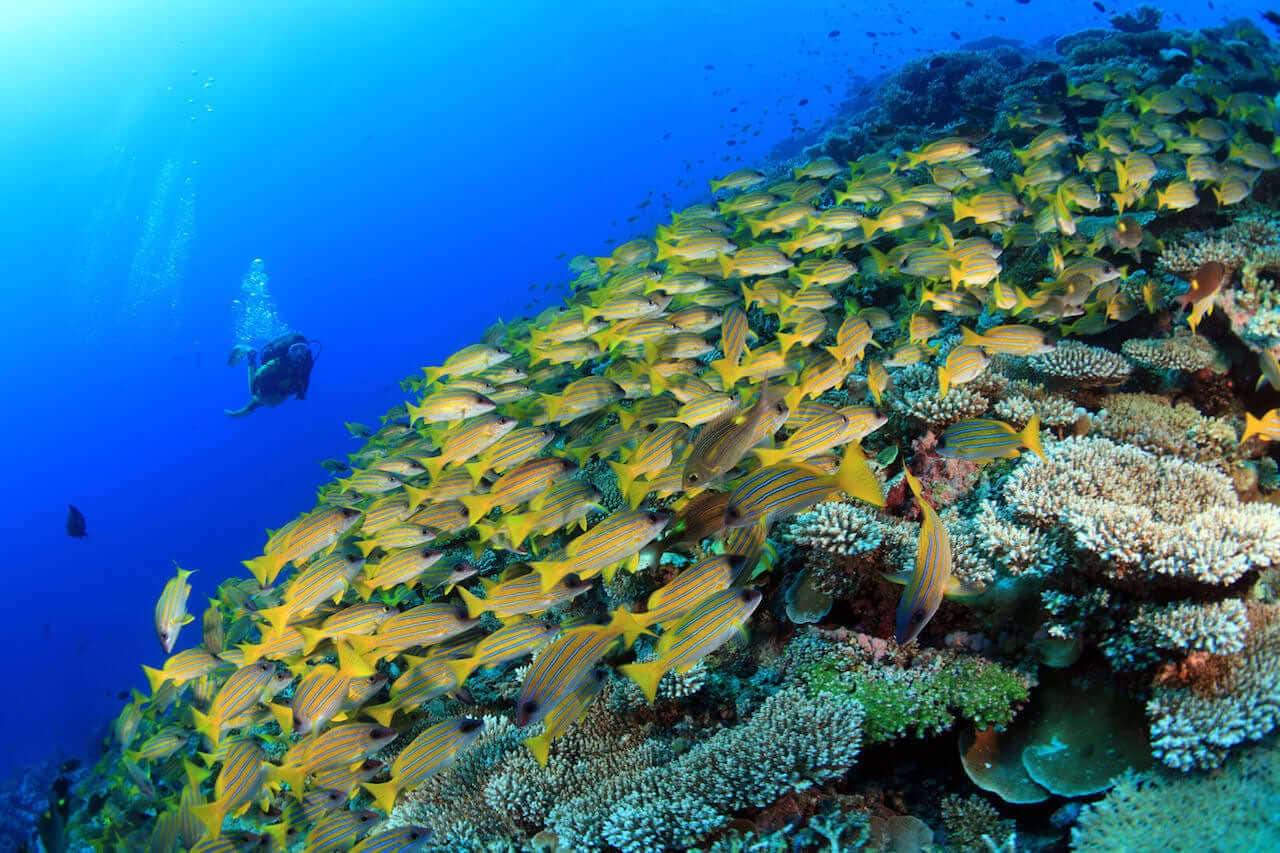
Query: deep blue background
{"type": "Point", "coordinates": [406, 174]}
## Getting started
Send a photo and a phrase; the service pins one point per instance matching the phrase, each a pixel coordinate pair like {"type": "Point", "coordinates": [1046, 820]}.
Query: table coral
{"type": "Point", "coordinates": [1081, 366]}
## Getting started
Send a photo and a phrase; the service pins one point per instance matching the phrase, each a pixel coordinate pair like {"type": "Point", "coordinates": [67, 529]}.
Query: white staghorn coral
{"type": "Point", "coordinates": [1144, 516]}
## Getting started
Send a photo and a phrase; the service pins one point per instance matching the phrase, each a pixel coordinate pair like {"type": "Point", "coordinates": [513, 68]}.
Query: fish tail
{"type": "Point", "coordinates": [383, 793]}
{"type": "Point", "coordinates": [462, 667]}
{"type": "Point", "coordinates": [431, 375]}
{"type": "Point", "coordinates": [293, 775]}
{"type": "Point", "coordinates": [366, 546]}
{"type": "Point", "coordinates": [211, 815]}
{"type": "Point", "coordinates": [787, 341]}
{"type": "Point", "coordinates": [155, 678]}
{"type": "Point", "coordinates": [970, 337]}
{"type": "Point", "coordinates": [1021, 301]}
{"type": "Point", "coordinates": [277, 618]}
{"type": "Point", "coordinates": [1252, 427]}
{"type": "Point", "coordinates": [725, 262]}
{"type": "Point", "coordinates": [770, 455]}
{"type": "Point", "coordinates": [540, 746]}
{"type": "Point", "coordinates": [264, 569]}
{"type": "Point", "coordinates": [626, 622]}
{"type": "Point", "coordinates": [351, 663]}
{"type": "Point", "coordinates": [205, 726]}
{"type": "Point", "coordinates": [1030, 437]}
{"type": "Point", "coordinates": [646, 675]}
{"type": "Point", "coordinates": [478, 506]}
{"type": "Point", "coordinates": [944, 381]}
{"type": "Point", "coordinates": [626, 474]}
{"type": "Point", "coordinates": [855, 477]}
{"type": "Point", "coordinates": [475, 606]}
{"type": "Point", "coordinates": [381, 714]}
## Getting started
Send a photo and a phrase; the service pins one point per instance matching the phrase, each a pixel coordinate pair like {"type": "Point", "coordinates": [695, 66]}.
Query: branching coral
{"type": "Point", "coordinates": [1218, 628]}
{"type": "Point", "coordinates": [1151, 814]}
{"type": "Point", "coordinates": [1079, 365]}
{"type": "Point", "coordinates": [1237, 699]}
{"type": "Point", "coordinates": [839, 528]}
{"type": "Point", "coordinates": [1185, 353]}
{"type": "Point", "coordinates": [1158, 426]}
{"type": "Point", "coordinates": [795, 739]}
{"type": "Point", "coordinates": [1143, 517]}
{"type": "Point", "coordinates": [915, 395]}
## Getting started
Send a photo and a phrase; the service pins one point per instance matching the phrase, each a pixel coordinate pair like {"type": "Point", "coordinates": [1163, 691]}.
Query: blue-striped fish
{"type": "Point", "coordinates": [702, 409]}
{"type": "Point", "coordinates": [704, 578]}
{"type": "Point", "coordinates": [418, 626]}
{"type": "Point", "coordinates": [466, 361]}
{"type": "Point", "coordinates": [403, 839]}
{"type": "Point", "coordinates": [567, 661]}
{"type": "Point", "coordinates": [516, 447]}
{"type": "Point", "coordinates": [323, 579]}
{"type": "Point", "coordinates": [519, 485]}
{"type": "Point", "coordinates": [1009, 340]}
{"type": "Point", "coordinates": [449, 404]}
{"type": "Point", "coordinates": [171, 608]}
{"type": "Point", "coordinates": [433, 750]}
{"type": "Point", "coordinates": [470, 439]}
{"type": "Point", "coordinates": [581, 397]}
{"type": "Point", "coordinates": [306, 536]}
{"type": "Point", "coordinates": [322, 693]}
{"type": "Point", "coordinates": [519, 595]}
{"type": "Point", "coordinates": [653, 453]}
{"type": "Point", "coordinates": [700, 632]}
{"type": "Point", "coordinates": [615, 538]}
{"type": "Point", "coordinates": [792, 487]}
{"type": "Point", "coordinates": [243, 689]}
{"type": "Point", "coordinates": [931, 577]}
{"type": "Point", "coordinates": [816, 437]}
{"type": "Point", "coordinates": [358, 619]}
{"type": "Point", "coordinates": [407, 566]}
{"type": "Point", "coordinates": [183, 667]}
{"type": "Point", "coordinates": [560, 718]}
{"type": "Point", "coordinates": [983, 439]}
{"type": "Point", "coordinates": [1266, 427]}
{"type": "Point", "coordinates": [722, 444]}
{"type": "Point", "coordinates": [566, 503]}
{"type": "Point", "coordinates": [515, 639]}
{"type": "Point", "coordinates": [424, 680]}
{"type": "Point", "coordinates": [238, 784]}
{"type": "Point", "coordinates": [339, 830]}
{"type": "Point", "coordinates": [964, 363]}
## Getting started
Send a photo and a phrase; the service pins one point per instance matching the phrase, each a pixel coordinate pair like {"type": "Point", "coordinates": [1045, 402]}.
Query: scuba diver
{"type": "Point", "coordinates": [284, 371]}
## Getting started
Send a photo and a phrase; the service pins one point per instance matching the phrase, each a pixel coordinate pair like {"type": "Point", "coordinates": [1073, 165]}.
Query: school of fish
{"type": "Point", "coordinates": [721, 376]}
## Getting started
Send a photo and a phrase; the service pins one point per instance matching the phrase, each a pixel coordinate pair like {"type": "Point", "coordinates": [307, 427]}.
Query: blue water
{"type": "Point", "coordinates": [407, 175]}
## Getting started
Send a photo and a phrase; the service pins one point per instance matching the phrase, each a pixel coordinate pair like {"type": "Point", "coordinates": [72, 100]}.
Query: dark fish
{"type": "Point", "coordinates": [834, 34]}
{"type": "Point", "coordinates": [75, 523]}
{"type": "Point", "coordinates": [1099, 6]}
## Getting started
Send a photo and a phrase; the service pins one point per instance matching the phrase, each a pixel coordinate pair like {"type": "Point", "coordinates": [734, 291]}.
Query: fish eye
{"type": "Point", "coordinates": [693, 478]}
{"type": "Point", "coordinates": [529, 706]}
{"type": "Point", "coordinates": [653, 518]}
{"type": "Point", "coordinates": [732, 513]}
{"type": "Point", "coordinates": [918, 616]}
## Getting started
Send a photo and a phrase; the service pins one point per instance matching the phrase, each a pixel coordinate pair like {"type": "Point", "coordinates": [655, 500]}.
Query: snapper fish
{"type": "Point", "coordinates": [171, 609]}
{"type": "Point", "coordinates": [983, 439]}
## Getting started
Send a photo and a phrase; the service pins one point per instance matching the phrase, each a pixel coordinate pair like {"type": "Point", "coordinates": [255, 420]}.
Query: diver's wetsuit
{"type": "Point", "coordinates": [285, 371]}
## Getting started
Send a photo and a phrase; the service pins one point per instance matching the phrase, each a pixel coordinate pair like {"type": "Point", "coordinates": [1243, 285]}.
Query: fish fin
{"type": "Point", "coordinates": [352, 664]}
{"type": "Point", "coordinates": [476, 607]}
{"type": "Point", "coordinates": [855, 477]}
{"type": "Point", "coordinates": [156, 678]}
{"type": "Point", "coordinates": [366, 546]}
{"type": "Point", "coordinates": [1030, 437]}
{"type": "Point", "coordinates": [264, 569]}
{"type": "Point", "coordinates": [944, 381]}
{"type": "Point", "coordinates": [293, 775]}
{"type": "Point", "coordinates": [1252, 427]}
{"type": "Point", "coordinates": [195, 775]}
{"type": "Point", "coordinates": [540, 746]}
{"type": "Point", "coordinates": [382, 714]}
{"type": "Point", "coordinates": [646, 675]}
{"type": "Point", "coordinates": [284, 717]}
{"type": "Point", "coordinates": [415, 495]}
{"type": "Point", "coordinates": [211, 815]}
{"type": "Point", "coordinates": [462, 667]}
{"type": "Point", "coordinates": [312, 637]}
{"type": "Point", "coordinates": [626, 475]}
{"type": "Point", "coordinates": [549, 571]}
{"type": "Point", "coordinates": [383, 793]}
{"type": "Point", "coordinates": [625, 622]}
{"type": "Point", "coordinates": [205, 726]}
{"type": "Point", "coordinates": [957, 588]}
{"type": "Point", "coordinates": [478, 506]}
{"type": "Point", "coordinates": [901, 578]}
{"type": "Point", "coordinates": [277, 618]}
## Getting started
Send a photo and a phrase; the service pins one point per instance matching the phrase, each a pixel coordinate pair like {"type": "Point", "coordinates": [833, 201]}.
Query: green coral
{"type": "Point", "coordinates": [927, 696]}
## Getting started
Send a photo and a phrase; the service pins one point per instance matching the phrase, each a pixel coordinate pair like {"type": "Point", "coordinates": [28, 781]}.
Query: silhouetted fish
{"type": "Point", "coordinates": [75, 523]}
